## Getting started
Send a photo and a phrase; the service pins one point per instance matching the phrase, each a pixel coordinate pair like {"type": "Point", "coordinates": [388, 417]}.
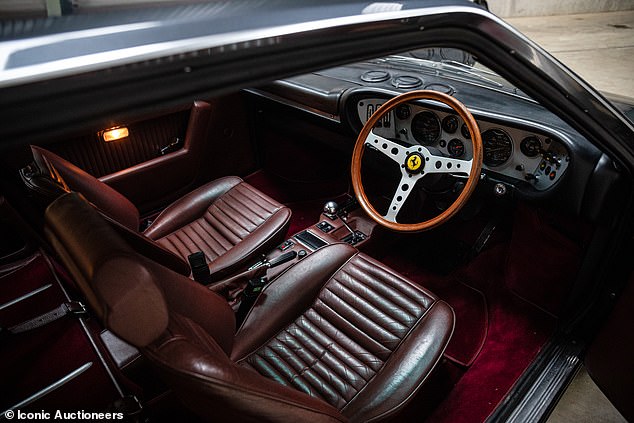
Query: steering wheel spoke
{"type": "Point", "coordinates": [390, 149]}
{"type": "Point", "coordinates": [404, 189]}
{"type": "Point", "coordinates": [442, 164]}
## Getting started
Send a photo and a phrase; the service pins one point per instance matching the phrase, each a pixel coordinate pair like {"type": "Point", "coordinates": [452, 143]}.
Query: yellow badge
{"type": "Point", "coordinates": [414, 162]}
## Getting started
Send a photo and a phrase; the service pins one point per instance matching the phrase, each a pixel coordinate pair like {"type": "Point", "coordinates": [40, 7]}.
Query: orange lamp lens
{"type": "Point", "coordinates": [114, 134]}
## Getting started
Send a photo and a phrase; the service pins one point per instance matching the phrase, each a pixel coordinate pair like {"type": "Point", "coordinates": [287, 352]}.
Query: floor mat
{"type": "Point", "coordinates": [517, 331]}
{"type": "Point", "coordinates": [472, 322]}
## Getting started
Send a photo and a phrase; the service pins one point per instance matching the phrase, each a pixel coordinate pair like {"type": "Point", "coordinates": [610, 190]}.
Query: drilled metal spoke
{"type": "Point", "coordinates": [441, 164]}
{"type": "Point", "coordinates": [404, 189]}
{"type": "Point", "coordinates": [390, 149]}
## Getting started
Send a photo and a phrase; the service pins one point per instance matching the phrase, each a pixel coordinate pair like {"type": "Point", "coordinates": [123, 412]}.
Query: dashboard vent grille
{"type": "Point", "coordinates": [405, 81]}
{"type": "Point", "coordinates": [375, 76]}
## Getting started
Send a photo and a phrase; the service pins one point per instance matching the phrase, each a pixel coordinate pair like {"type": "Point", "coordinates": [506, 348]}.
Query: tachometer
{"type": "Point", "coordinates": [498, 147]}
{"type": "Point", "coordinates": [426, 127]}
{"type": "Point", "coordinates": [450, 124]}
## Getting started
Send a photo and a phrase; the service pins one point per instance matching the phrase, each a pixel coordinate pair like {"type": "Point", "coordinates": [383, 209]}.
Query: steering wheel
{"type": "Point", "coordinates": [415, 162]}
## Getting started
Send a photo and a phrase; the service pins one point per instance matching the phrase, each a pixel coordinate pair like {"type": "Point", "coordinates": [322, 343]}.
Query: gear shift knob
{"type": "Point", "coordinates": [330, 209]}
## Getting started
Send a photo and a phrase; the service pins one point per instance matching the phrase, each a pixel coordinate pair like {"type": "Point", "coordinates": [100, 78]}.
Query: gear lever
{"type": "Point", "coordinates": [332, 211]}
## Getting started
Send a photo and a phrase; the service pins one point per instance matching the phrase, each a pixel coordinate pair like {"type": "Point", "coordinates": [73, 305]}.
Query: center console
{"type": "Point", "coordinates": [336, 224]}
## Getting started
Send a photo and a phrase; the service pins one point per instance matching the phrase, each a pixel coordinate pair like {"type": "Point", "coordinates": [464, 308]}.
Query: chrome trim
{"type": "Point", "coordinates": [315, 235]}
{"type": "Point", "coordinates": [88, 333]}
{"type": "Point", "coordinates": [531, 399]}
{"type": "Point", "coordinates": [50, 388]}
{"type": "Point", "coordinates": [135, 54]}
{"type": "Point", "coordinates": [25, 296]}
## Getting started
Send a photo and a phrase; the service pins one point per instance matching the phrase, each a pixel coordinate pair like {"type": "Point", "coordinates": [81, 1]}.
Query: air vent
{"type": "Point", "coordinates": [375, 76]}
{"type": "Point", "coordinates": [407, 82]}
{"type": "Point", "coordinates": [441, 88]}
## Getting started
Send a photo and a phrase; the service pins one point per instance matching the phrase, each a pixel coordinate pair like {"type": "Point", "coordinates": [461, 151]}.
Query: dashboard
{"type": "Point", "coordinates": [537, 158]}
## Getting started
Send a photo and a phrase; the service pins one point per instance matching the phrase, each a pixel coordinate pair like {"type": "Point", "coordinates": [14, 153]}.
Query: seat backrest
{"type": "Point", "coordinates": [109, 201]}
{"type": "Point", "coordinates": [117, 283]}
{"type": "Point", "coordinates": [183, 328]}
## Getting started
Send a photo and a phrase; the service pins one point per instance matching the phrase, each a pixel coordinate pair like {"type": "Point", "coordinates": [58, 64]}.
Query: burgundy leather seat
{"type": "Point", "coordinates": [227, 219]}
{"type": "Point", "coordinates": [337, 337]}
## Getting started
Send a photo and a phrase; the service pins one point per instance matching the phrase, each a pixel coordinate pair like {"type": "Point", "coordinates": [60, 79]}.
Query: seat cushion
{"type": "Point", "coordinates": [227, 219]}
{"type": "Point", "coordinates": [365, 341]}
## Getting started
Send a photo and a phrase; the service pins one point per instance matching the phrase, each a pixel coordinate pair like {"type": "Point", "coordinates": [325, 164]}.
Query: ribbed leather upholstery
{"type": "Point", "coordinates": [227, 222]}
{"type": "Point", "coordinates": [339, 344]}
{"type": "Point", "coordinates": [337, 337]}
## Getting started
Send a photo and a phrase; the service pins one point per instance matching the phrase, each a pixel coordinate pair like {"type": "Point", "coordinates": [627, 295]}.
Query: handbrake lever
{"type": "Point", "coordinates": [256, 284]}
{"type": "Point", "coordinates": [281, 259]}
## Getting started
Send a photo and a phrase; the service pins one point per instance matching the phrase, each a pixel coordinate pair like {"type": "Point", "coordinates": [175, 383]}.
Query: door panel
{"type": "Point", "coordinates": [135, 165]}
{"type": "Point", "coordinates": [164, 178]}
{"type": "Point", "coordinates": [610, 359]}
{"type": "Point", "coordinates": [144, 143]}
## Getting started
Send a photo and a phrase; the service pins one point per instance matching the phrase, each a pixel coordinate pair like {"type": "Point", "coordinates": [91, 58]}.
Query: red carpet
{"type": "Point", "coordinates": [497, 334]}
{"type": "Point", "coordinates": [516, 334]}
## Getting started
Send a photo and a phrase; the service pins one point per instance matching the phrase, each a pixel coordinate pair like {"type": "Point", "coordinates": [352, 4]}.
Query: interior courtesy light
{"type": "Point", "coordinates": [114, 134]}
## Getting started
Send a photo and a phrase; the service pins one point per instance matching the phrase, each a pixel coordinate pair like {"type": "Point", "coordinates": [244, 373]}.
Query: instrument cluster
{"type": "Point", "coordinates": [528, 155]}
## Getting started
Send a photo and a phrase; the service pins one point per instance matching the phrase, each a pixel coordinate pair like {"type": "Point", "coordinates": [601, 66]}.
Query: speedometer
{"type": "Point", "coordinates": [498, 147]}
{"type": "Point", "coordinates": [426, 127]}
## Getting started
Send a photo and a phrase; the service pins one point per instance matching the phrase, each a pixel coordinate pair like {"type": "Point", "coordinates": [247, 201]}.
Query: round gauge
{"type": "Point", "coordinates": [455, 147]}
{"type": "Point", "coordinates": [450, 124]}
{"type": "Point", "coordinates": [403, 112]}
{"type": "Point", "coordinates": [498, 147]}
{"type": "Point", "coordinates": [531, 146]}
{"type": "Point", "coordinates": [465, 131]}
{"type": "Point", "coordinates": [426, 127]}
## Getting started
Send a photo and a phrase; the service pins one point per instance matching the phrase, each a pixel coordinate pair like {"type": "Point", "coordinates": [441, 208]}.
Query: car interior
{"type": "Point", "coordinates": [394, 239]}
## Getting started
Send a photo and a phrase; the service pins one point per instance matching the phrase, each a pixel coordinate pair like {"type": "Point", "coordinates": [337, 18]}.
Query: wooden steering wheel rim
{"type": "Point", "coordinates": [474, 174]}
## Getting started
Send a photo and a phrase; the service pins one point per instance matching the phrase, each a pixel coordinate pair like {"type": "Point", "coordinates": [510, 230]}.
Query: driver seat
{"type": "Point", "coordinates": [337, 337]}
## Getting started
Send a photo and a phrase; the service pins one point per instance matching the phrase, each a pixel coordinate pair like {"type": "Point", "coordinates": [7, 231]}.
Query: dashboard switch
{"type": "Point", "coordinates": [285, 245]}
{"type": "Point", "coordinates": [325, 227]}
